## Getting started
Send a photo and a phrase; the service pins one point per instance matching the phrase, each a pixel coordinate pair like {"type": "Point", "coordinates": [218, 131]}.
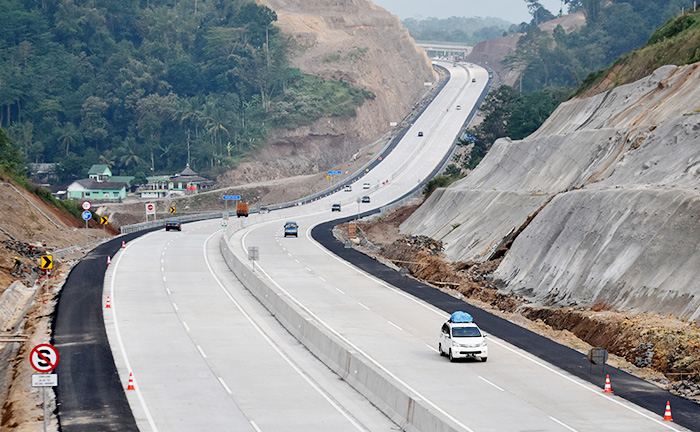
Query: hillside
{"type": "Point", "coordinates": [358, 43]}
{"type": "Point", "coordinates": [600, 203]}
{"type": "Point", "coordinates": [676, 42]}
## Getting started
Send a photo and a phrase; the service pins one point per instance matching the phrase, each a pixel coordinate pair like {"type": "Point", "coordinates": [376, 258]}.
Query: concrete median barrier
{"type": "Point", "coordinates": [378, 385]}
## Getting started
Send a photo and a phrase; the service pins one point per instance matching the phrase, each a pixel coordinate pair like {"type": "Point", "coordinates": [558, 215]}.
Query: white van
{"type": "Point", "coordinates": [365, 185]}
{"type": "Point", "coordinates": [462, 340]}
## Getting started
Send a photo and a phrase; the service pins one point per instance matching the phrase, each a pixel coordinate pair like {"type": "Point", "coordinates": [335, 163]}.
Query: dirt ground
{"type": "Point", "coordinates": [660, 349]}
{"type": "Point", "coordinates": [27, 233]}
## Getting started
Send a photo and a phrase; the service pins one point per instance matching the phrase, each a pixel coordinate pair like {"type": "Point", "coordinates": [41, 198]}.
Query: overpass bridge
{"type": "Point", "coordinates": [445, 49]}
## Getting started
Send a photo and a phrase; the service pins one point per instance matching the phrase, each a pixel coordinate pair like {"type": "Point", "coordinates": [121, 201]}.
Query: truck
{"type": "Point", "coordinates": [242, 209]}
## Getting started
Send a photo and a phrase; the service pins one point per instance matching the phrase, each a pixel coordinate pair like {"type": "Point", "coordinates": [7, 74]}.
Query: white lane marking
{"type": "Point", "coordinates": [395, 325]}
{"type": "Point", "coordinates": [228, 390]}
{"type": "Point", "coordinates": [308, 269]}
{"type": "Point", "coordinates": [184, 324]}
{"type": "Point", "coordinates": [175, 307]}
{"type": "Point", "coordinates": [565, 425]}
{"type": "Point", "coordinates": [289, 254]}
{"type": "Point", "coordinates": [595, 391]}
{"type": "Point", "coordinates": [162, 269]}
{"type": "Point", "coordinates": [252, 423]}
{"type": "Point", "coordinates": [297, 260]}
{"type": "Point", "coordinates": [433, 348]}
{"type": "Point", "coordinates": [164, 279]}
{"type": "Point", "coordinates": [340, 291]}
{"type": "Point", "coordinates": [490, 383]}
{"type": "Point", "coordinates": [359, 350]}
{"type": "Point", "coordinates": [201, 351]}
{"type": "Point", "coordinates": [442, 314]}
{"type": "Point", "coordinates": [168, 291]}
{"type": "Point", "coordinates": [363, 305]}
{"type": "Point", "coordinates": [275, 346]}
{"type": "Point", "coordinates": [322, 279]}
{"type": "Point", "coordinates": [120, 342]}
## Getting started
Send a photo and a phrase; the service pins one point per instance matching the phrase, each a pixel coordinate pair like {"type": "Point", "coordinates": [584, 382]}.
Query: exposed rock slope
{"type": "Point", "coordinates": [362, 44]}
{"type": "Point", "coordinates": [612, 182]}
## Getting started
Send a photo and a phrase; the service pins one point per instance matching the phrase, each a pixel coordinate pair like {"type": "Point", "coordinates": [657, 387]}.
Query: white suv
{"type": "Point", "coordinates": [462, 340]}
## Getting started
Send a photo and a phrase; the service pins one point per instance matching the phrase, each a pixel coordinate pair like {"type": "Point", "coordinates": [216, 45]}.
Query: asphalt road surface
{"type": "Point", "coordinates": [205, 355]}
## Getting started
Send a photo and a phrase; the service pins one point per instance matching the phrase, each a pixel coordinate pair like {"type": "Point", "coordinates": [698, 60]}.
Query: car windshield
{"type": "Point", "coordinates": [290, 225]}
{"type": "Point", "coordinates": [465, 332]}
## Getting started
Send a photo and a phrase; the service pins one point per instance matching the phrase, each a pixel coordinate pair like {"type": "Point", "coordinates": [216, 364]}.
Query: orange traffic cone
{"type": "Point", "coordinates": [667, 414]}
{"type": "Point", "coordinates": [123, 244]}
{"type": "Point", "coordinates": [608, 389]}
{"type": "Point", "coordinates": [109, 260]}
{"type": "Point", "coordinates": [108, 305]}
{"type": "Point", "coordinates": [131, 382]}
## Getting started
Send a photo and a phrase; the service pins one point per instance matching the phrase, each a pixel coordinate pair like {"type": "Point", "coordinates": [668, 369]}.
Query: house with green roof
{"type": "Point", "coordinates": [187, 182]}
{"type": "Point", "coordinates": [100, 185]}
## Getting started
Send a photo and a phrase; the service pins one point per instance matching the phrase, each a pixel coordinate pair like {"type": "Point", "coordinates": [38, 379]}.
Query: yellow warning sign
{"type": "Point", "coordinates": [172, 209]}
{"type": "Point", "coordinates": [46, 262]}
{"type": "Point", "coordinates": [104, 220]}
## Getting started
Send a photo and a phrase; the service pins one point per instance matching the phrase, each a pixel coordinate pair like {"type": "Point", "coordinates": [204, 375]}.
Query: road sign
{"type": "Point", "coordinates": [597, 356]}
{"type": "Point", "coordinates": [44, 380]}
{"type": "Point", "coordinates": [104, 220]}
{"type": "Point", "coordinates": [86, 205]}
{"type": "Point", "coordinates": [46, 262]}
{"type": "Point", "coordinates": [87, 215]}
{"type": "Point", "coordinates": [172, 209]}
{"type": "Point", "coordinates": [150, 208]}
{"type": "Point", "coordinates": [335, 172]}
{"type": "Point", "coordinates": [44, 358]}
{"type": "Point", "coordinates": [231, 197]}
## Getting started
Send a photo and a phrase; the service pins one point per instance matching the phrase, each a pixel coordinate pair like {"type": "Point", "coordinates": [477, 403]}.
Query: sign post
{"type": "Point", "coordinates": [150, 209]}
{"type": "Point", "coordinates": [86, 215]}
{"type": "Point", "coordinates": [226, 199]}
{"type": "Point", "coordinates": [253, 255]}
{"type": "Point", "coordinates": [44, 358]}
{"type": "Point", "coordinates": [104, 220]}
{"type": "Point", "coordinates": [332, 173]}
{"type": "Point", "coordinates": [86, 207]}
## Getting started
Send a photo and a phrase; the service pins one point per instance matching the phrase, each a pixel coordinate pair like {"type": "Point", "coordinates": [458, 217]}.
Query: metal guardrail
{"type": "Point", "coordinates": [351, 179]}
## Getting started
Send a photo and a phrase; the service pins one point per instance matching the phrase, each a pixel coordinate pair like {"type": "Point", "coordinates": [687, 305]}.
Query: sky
{"type": "Point", "coordinates": [514, 11]}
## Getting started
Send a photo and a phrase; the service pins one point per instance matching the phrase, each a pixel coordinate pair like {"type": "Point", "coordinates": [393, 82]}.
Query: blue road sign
{"type": "Point", "coordinates": [231, 197]}
{"type": "Point", "coordinates": [87, 215]}
{"type": "Point", "coordinates": [335, 172]}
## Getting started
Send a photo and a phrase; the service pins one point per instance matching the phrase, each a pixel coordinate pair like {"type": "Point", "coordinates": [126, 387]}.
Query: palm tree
{"type": "Point", "coordinates": [67, 137]}
{"type": "Point", "coordinates": [129, 157]}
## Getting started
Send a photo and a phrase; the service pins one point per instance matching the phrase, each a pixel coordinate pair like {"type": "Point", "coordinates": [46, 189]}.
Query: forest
{"type": "Point", "coordinates": [145, 86]}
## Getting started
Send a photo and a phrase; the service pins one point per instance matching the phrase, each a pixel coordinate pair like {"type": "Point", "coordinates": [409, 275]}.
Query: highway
{"type": "Point", "coordinates": [208, 353]}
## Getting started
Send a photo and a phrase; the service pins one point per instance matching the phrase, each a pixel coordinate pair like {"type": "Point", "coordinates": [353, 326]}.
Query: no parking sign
{"type": "Point", "coordinates": [44, 358]}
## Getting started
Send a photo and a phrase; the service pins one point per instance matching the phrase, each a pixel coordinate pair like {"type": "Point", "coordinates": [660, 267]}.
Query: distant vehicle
{"type": "Point", "coordinates": [365, 185]}
{"type": "Point", "coordinates": [460, 337]}
{"type": "Point", "coordinates": [335, 207]}
{"type": "Point", "coordinates": [365, 199]}
{"type": "Point", "coordinates": [242, 209]}
{"type": "Point", "coordinates": [173, 225]}
{"type": "Point", "coordinates": [459, 107]}
{"type": "Point", "coordinates": [264, 210]}
{"type": "Point", "coordinates": [291, 229]}
{"type": "Point", "coordinates": [473, 79]}
{"type": "Point", "coordinates": [348, 188]}
{"type": "Point", "coordinates": [420, 133]}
